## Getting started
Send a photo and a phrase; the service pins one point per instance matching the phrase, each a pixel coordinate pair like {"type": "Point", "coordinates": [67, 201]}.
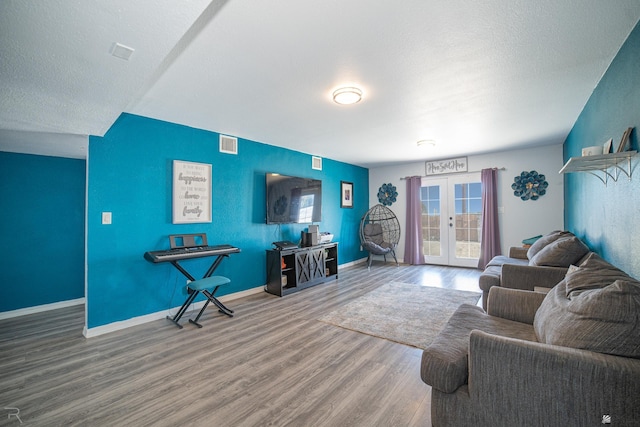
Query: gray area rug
{"type": "Point", "coordinates": [401, 312]}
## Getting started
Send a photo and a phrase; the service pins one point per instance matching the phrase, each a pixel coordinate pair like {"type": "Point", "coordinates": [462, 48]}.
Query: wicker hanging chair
{"type": "Point", "coordinates": [379, 233]}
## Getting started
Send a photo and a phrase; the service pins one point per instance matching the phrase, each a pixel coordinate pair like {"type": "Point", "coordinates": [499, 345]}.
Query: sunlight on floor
{"type": "Point", "coordinates": [466, 283]}
{"type": "Point", "coordinates": [432, 279]}
{"type": "Point", "coordinates": [465, 280]}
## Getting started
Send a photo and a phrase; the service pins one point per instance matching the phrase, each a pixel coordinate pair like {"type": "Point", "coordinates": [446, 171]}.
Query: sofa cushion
{"type": "Point", "coordinates": [603, 319]}
{"type": "Point", "coordinates": [499, 260]}
{"type": "Point", "coordinates": [444, 361]}
{"type": "Point", "coordinates": [539, 244]}
{"type": "Point", "coordinates": [560, 253]}
{"type": "Point", "coordinates": [376, 249]}
{"type": "Point", "coordinates": [373, 233]}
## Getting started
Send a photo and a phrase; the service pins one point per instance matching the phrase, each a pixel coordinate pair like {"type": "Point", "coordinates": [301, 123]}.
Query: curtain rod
{"type": "Point", "coordinates": [449, 173]}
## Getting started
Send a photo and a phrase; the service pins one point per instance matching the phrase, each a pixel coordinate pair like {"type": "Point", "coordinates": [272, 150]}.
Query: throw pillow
{"type": "Point", "coordinates": [593, 273]}
{"type": "Point", "coordinates": [539, 244]}
{"type": "Point", "coordinates": [602, 320]}
{"type": "Point", "coordinates": [560, 253]}
{"type": "Point", "coordinates": [572, 269]}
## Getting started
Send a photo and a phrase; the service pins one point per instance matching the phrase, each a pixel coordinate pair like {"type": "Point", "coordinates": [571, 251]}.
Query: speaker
{"type": "Point", "coordinates": [308, 239]}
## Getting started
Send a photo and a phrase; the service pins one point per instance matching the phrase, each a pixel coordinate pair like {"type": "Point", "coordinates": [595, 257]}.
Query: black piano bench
{"type": "Point", "coordinates": [202, 286]}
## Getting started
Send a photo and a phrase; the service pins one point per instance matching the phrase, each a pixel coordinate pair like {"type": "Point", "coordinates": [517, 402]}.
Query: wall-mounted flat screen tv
{"type": "Point", "coordinates": [292, 199]}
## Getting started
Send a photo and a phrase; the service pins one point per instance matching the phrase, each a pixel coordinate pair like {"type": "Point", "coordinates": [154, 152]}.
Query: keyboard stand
{"type": "Point", "coordinates": [185, 305]}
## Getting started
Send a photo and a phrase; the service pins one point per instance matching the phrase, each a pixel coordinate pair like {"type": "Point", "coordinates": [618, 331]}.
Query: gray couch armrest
{"type": "Point", "coordinates": [516, 383]}
{"type": "Point", "coordinates": [527, 277]}
{"type": "Point", "coordinates": [514, 304]}
{"type": "Point", "coordinates": [518, 252]}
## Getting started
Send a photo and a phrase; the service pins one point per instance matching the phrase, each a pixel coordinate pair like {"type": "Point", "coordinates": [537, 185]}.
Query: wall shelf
{"type": "Point", "coordinates": [603, 166]}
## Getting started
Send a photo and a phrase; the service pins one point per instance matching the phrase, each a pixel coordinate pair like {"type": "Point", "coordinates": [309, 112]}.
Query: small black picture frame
{"type": "Point", "coordinates": [346, 194]}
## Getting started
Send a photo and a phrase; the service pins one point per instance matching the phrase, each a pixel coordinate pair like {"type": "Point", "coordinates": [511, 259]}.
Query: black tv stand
{"type": "Point", "coordinates": [291, 270]}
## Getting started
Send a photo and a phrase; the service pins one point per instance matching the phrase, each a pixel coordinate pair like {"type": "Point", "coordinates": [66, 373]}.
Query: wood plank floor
{"type": "Point", "coordinates": [273, 364]}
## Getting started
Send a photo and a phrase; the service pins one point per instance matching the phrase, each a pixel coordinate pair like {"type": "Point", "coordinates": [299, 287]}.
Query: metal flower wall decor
{"type": "Point", "coordinates": [387, 194]}
{"type": "Point", "coordinates": [529, 185]}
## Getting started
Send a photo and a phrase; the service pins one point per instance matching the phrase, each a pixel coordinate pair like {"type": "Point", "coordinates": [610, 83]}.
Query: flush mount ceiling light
{"type": "Point", "coordinates": [347, 95]}
{"type": "Point", "coordinates": [426, 143]}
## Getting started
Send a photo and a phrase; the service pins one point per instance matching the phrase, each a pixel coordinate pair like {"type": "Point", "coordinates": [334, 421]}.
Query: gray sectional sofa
{"type": "Point", "coordinates": [542, 265]}
{"type": "Point", "coordinates": [570, 357]}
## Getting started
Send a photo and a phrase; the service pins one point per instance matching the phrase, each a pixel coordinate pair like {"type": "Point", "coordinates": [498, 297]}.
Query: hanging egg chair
{"type": "Point", "coordinates": [379, 232]}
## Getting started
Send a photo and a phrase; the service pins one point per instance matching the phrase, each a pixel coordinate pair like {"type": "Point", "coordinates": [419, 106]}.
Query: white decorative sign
{"type": "Point", "coordinates": [439, 167]}
{"type": "Point", "coordinates": [191, 192]}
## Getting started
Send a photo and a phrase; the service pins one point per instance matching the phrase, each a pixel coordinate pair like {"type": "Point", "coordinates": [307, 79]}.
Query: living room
{"type": "Point", "coordinates": [56, 206]}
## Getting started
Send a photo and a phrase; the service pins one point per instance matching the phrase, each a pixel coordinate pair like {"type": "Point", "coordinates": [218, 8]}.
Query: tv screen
{"type": "Point", "coordinates": [292, 199]}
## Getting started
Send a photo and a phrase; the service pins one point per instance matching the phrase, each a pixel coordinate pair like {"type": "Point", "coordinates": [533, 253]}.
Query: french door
{"type": "Point", "coordinates": [452, 219]}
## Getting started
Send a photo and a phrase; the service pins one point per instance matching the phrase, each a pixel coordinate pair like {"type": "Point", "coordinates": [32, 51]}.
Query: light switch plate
{"type": "Point", "coordinates": [106, 218]}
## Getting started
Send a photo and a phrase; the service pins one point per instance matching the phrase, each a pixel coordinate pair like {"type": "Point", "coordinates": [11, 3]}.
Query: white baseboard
{"type": "Point", "coordinates": [40, 308]}
{"type": "Point", "coordinates": [356, 262]}
{"type": "Point", "coordinates": [116, 326]}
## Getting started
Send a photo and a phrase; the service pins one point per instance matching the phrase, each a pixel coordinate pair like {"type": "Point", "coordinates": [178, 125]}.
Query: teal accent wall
{"type": "Point", "coordinates": [130, 174]}
{"type": "Point", "coordinates": [42, 230]}
{"type": "Point", "coordinates": [607, 217]}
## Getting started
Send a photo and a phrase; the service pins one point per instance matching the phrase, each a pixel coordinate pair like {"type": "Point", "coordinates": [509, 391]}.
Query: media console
{"type": "Point", "coordinates": [291, 270]}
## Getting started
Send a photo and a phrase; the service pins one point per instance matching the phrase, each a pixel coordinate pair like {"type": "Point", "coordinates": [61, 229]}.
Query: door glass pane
{"type": "Point", "coordinates": [468, 214]}
{"type": "Point", "coordinates": [430, 197]}
{"type": "Point", "coordinates": [475, 190]}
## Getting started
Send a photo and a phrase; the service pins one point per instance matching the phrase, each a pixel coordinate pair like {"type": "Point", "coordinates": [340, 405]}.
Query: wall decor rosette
{"type": "Point", "coordinates": [387, 194]}
{"type": "Point", "coordinates": [529, 185]}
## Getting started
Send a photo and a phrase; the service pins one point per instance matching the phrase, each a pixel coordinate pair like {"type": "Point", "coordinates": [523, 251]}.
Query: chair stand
{"type": "Point", "coordinates": [370, 259]}
{"type": "Point", "coordinates": [202, 286]}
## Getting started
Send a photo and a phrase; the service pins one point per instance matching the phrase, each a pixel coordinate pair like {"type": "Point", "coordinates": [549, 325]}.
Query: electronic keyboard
{"type": "Point", "coordinates": [176, 254]}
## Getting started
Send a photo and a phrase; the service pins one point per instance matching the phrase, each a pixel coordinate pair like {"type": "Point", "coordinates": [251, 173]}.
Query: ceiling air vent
{"type": "Point", "coordinates": [316, 163]}
{"type": "Point", "coordinates": [228, 144]}
{"type": "Point", "coordinates": [121, 51]}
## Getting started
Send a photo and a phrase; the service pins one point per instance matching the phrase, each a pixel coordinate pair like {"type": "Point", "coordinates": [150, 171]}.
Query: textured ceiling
{"type": "Point", "coordinates": [474, 76]}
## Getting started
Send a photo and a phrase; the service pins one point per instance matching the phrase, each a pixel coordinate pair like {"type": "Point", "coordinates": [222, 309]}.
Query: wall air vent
{"type": "Point", "coordinates": [316, 163]}
{"type": "Point", "coordinates": [228, 144]}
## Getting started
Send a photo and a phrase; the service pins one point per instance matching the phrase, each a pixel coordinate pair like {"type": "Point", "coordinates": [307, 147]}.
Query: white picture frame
{"type": "Point", "coordinates": [191, 192]}
{"type": "Point", "coordinates": [623, 143]}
